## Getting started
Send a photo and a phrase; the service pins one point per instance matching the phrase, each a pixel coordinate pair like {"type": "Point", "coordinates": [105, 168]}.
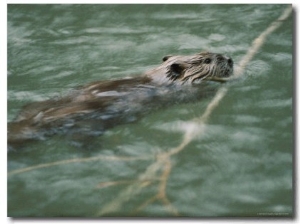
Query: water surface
{"type": "Point", "coordinates": [241, 165]}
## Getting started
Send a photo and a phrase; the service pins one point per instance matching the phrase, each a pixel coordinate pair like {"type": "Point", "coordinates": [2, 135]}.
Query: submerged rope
{"type": "Point", "coordinates": [260, 40]}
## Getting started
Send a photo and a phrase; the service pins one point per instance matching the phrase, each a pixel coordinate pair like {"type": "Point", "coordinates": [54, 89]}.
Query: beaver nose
{"type": "Point", "coordinates": [230, 62]}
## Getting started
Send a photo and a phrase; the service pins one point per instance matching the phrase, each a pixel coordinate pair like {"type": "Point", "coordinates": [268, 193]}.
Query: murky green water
{"type": "Point", "coordinates": [241, 165]}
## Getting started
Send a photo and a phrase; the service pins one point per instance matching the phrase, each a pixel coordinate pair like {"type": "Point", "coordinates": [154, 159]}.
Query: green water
{"type": "Point", "coordinates": [241, 165]}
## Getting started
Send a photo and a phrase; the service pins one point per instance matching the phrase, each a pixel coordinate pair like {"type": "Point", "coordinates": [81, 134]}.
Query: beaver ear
{"type": "Point", "coordinates": [165, 58]}
{"type": "Point", "coordinates": [177, 70]}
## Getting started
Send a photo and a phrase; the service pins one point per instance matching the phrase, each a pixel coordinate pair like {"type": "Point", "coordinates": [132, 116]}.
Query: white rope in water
{"type": "Point", "coordinates": [260, 40]}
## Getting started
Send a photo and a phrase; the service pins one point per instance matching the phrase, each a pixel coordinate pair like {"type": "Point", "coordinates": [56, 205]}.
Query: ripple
{"type": "Point", "coordinates": [26, 95]}
{"type": "Point", "coordinates": [59, 75]}
{"type": "Point", "coordinates": [275, 103]}
{"type": "Point", "coordinates": [216, 37]}
{"type": "Point", "coordinates": [117, 30]}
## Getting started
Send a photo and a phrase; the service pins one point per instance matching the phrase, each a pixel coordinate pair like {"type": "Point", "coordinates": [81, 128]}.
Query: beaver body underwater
{"type": "Point", "coordinates": [91, 109]}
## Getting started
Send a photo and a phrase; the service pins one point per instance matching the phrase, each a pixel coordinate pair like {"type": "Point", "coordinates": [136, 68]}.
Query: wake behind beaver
{"type": "Point", "coordinates": [93, 108]}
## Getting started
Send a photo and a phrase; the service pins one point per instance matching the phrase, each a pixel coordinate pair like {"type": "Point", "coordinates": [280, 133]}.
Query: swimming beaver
{"type": "Point", "coordinates": [95, 107]}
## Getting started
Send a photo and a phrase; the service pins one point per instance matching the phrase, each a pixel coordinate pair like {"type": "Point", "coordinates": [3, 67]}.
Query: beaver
{"type": "Point", "coordinates": [97, 106]}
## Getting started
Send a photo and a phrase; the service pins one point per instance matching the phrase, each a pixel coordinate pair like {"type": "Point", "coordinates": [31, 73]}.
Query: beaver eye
{"type": "Point", "coordinates": [207, 60]}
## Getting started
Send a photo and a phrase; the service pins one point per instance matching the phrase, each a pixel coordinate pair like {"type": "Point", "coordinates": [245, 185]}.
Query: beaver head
{"type": "Point", "coordinates": [190, 69]}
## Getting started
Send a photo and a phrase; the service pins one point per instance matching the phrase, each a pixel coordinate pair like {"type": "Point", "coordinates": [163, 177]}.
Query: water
{"type": "Point", "coordinates": [241, 165]}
